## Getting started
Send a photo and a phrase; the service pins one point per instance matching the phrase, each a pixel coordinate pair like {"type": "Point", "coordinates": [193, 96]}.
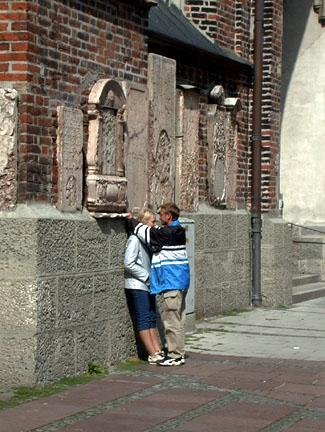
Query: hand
{"type": "Point", "coordinates": [129, 215]}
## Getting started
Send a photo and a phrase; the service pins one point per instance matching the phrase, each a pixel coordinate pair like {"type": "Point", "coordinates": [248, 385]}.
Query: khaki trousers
{"type": "Point", "coordinates": [174, 321]}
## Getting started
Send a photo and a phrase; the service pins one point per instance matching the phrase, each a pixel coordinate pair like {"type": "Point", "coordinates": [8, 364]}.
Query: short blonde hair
{"type": "Point", "coordinates": [145, 215]}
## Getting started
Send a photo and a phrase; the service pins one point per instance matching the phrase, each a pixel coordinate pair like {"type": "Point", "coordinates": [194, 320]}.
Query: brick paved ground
{"type": "Point", "coordinates": [209, 393]}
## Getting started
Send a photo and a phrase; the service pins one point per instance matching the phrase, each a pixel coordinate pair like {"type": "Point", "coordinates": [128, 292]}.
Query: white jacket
{"type": "Point", "coordinates": [137, 262]}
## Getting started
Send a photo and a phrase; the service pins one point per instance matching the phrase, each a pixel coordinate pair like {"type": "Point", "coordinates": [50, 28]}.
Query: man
{"type": "Point", "coordinates": [170, 276]}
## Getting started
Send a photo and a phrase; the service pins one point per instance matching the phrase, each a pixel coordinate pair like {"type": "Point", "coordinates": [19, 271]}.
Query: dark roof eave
{"type": "Point", "coordinates": [172, 42]}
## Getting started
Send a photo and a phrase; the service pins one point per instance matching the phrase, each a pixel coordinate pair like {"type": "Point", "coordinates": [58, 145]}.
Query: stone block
{"type": "Point", "coordinates": [309, 266]}
{"type": "Point", "coordinates": [311, 250]}
{"type": "Point", "coordinates": [267, 261]}
{"type": "Point", "coordinates": [75, 301]}
{"type": "Point", "coordinates": [243, 293]}
{"type": "Point", "coordinates": [56, 246]}
{"type": "Point", "coordinates": [117, 238]}
{"type": "Point", "coordinates": [109, 295]}
{"type": "Point", "coordinates": [17, 362]}
{"type": "Point", "coordinates": [268, 291]}
{"type": "Point", "coordinates": [47, 295]}
{"type": "Point", "coordinates": [121, 341]}
{"type": "Point", "coordinates": [228, 296]}
{"type": "Point", "coordinates": [92, 345]}
{"type": "Point", "coordinates": [228, 230]}
{"type": "Point", "coordinates": [18, 306]}
{"type": "Point", "coordinates": [199, 227]}
{"type": "Point", "coordinates": [221, 266]}
{"type": "Point", "coordinates": [213, 231]}
{"type": "Point", "coordinates": [267, 232]}
{"type": "Point", "coordinates": [278, 232]}
{"type": "Point", "coordinates": [93, 245]}
{"type": "Point", "coordinates": [242, 230]}
{"type": "Point", "coordinates": [55, 356]}
{"type": "Point", "coordinates": [213, 304]}
{"type": "Point", "coordinates": [18, 248]}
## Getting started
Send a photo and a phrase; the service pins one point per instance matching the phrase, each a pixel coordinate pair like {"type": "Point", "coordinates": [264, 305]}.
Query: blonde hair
{"type": "Point", "coordinates": [145, 215]}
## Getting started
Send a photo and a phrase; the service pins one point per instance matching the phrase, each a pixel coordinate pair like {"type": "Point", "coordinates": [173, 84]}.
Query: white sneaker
{"type": "Point", "coordinates": [169, 361]}
{"type": "Point", "coordinates": [154, 359]}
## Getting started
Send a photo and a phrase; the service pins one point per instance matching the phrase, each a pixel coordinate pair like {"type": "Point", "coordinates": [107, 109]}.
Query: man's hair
{"type": "Point", "coordinates": [172, 209]}
{"type": "Point", "coordinates": [144, 215]}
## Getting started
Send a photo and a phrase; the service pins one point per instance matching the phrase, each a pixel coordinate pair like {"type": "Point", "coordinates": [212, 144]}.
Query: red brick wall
{"type": "Point", "coordinates": [236, 81]}
{"type": "Point", "coordinates": [52, 54]}
{"type": "Point", "coordinates": [228, 23]}
{"type": "Point", "coordinates": [271, 117]}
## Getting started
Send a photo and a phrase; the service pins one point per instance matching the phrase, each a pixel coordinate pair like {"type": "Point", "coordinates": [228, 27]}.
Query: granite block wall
{"type": "Point", "coordinates": [276, 262]}
{"type": "Point", "coordinates": [62, 298]}
{"type": "Point", "coordinates": [222, 261]}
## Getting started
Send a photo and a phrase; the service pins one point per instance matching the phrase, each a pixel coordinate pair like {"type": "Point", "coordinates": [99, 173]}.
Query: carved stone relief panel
{"type": "Point", "coordinates": [8, 148]}
{"type": "Point", "coordinates": [162, 99]}
{"type": "Point", "coordinates": [136, 161]}
{"type": "Point", "coordinates": [222, 162]}
{"type": "Point", "coordinates": [107, 141]}
{"type": "Point", "coordinates": [69, 155]}
{"type": "Point", "coordinates": [187, 135]}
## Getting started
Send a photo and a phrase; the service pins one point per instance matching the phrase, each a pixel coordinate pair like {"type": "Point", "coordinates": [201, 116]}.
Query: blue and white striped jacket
{"type": "Point", "coordinates": [169, 268]}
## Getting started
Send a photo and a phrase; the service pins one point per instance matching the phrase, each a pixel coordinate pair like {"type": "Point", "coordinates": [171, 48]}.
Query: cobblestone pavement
{"type": "Point", "coordinates": [211, 392]}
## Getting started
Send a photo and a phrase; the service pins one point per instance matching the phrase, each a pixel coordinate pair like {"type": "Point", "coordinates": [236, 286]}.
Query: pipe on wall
{"type": "Point", "coordinates": [256, 219]}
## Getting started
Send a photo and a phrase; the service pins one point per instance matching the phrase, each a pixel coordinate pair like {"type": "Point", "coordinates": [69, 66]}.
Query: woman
{"type": "Point", "coordinates": [137, 264]}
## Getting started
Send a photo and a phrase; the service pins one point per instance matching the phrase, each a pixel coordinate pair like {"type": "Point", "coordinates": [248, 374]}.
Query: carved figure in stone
{"type": "Point", "coordinates": [108, 142]}
{"type": "Point", "coordinates": [223, 161]}
{"type": "Point", "coordinates": [106, 148]}
{"type": "Point", "coordinates": [71, 191]}
{"type": "Point", "coordinates": [160, 187]}
{"type": "Point", "coordinates": [7, 125]}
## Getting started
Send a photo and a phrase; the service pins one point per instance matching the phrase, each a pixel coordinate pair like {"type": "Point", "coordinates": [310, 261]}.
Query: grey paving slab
{"type": "Point", "coordinates": [297, 332]}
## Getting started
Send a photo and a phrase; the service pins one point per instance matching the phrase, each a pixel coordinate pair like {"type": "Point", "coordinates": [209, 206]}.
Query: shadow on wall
{"type": "Point", "coordinates": [295, 17]}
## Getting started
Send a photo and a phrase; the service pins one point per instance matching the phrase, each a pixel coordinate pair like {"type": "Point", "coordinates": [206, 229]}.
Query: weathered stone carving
{"type": "Point", "coordinates": [162, 96]}
{"type": "Point", "coordinates": [137, 150]}
{"type": "Point", "coordinates": [222, 163]}
{"type": "Point", "coordinates": [161, 164]}
{"type": "Point", "coordinates": [8, 148]}
{"type": "Point", "coordinates": [217, 94]}
{"type": "Point", "coordinates": [187, 135]}
{"type": "Point", "coordinates": [70, 163]}
{"type": "Point", "coordinates": [106, 182]}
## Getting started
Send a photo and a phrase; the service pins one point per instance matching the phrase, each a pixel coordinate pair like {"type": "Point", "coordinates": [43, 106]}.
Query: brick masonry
{"type": "Point", "coordinates": [52, 54]}
{"type": "Point", "coordinates": [234, 31]}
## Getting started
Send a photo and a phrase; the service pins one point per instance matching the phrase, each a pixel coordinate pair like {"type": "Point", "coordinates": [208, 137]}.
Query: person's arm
{"type": "Point", "coordinates": [153, 237]}
{"type": "Point", "coordinates": [131, 258]}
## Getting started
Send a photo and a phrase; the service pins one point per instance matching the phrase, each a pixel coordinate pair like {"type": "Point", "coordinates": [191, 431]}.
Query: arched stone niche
{"type": "Point", "coordinates": [106, 181]}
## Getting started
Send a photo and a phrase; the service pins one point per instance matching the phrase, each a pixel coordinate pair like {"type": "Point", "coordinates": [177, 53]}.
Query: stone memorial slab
{"type": "Point", "coordinates": [8, 148]}
{"type": "Point", "coordinates": [106, 152]}
{"type": "Point", "coordinates": [222, 161]}
{"type": "Point", "coordinates": [162, 102]}
{"type": "Point", "coordinates": [70, 163]}
{"type": "Point", "coordinates": [136, 168]}
{"type": "Point", "coordinates": [187, 136]}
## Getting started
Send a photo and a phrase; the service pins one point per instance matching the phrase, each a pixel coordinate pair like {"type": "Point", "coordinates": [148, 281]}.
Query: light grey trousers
{"type": "Point", "coordinates": [174, 321]}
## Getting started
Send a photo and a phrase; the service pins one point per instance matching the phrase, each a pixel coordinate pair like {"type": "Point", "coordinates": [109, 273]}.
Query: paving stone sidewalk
{"type": "Point", "coordinates": [211, 392]}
